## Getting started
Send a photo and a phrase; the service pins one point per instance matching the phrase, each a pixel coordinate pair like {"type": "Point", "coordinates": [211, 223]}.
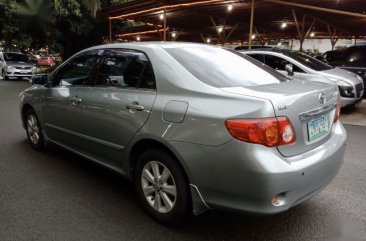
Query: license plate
{"type": "Point", "coordinates": [318, 127]}
{"type": "Point", "coordinates": [23, 72]}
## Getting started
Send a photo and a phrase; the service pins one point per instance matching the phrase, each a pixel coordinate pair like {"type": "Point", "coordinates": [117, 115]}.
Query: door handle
{"type": "Point", "coordinates": [76, 100]}
{"type": "Point", "coordinates": [135, 107]}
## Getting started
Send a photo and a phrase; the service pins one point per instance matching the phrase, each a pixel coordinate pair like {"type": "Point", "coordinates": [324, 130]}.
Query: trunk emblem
{"type": "Point", "coordinates": [322, 98]}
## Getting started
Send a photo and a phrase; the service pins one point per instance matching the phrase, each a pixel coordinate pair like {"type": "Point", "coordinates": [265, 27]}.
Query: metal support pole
{"type": "Point", "coordinates": [292, 43]}
{"type": "Point", "coordinates": [110, 30]}
{"type": "Point", "coordinates": [164, 25]}
{"type": "Point", "coordinates": [251, 25]}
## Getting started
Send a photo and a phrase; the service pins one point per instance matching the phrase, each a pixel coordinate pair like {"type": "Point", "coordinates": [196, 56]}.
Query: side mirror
{"type": "Point", "coordinates": [39, 79]}
{"type": "Point", "coordinates": [290, 69]}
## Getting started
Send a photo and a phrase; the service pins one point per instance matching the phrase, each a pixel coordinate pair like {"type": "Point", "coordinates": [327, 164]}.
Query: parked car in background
{"type": "Point", "coordinates": [194, 126]}
{"type": "Point", "coordinates": [331, 56]}
{"type": "Point", "coordinates": [56, 57]}
{"type": "Point", "coordinates": [16, 65]}
{"type": "Point", "coordinates": [46, 61]}
{"type": "Point", "coordinates": [353, 59]}
{"type": "Point", "coordinates": [305, 67]}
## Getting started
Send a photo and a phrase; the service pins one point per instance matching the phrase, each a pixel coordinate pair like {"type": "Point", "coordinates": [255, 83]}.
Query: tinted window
{"type": "Point", "coordinates": [278, 63]}
{"type": "Point", "coordinates": [223, 68]}
{"type": "Point", "coordinates": [16, 57]}
{"type": "Point", "coordinates": [123, 68]}
{"type": "Point", "coordinates": [258, 57]}
{"type": "Point", "coordinates": [331, 56]}
{"type": "Point", "coordinates": [355, 54]}
{"type": "Point", "coordinates": [77, 71]}
{"type": "Point", "coordinates": [308, 61]}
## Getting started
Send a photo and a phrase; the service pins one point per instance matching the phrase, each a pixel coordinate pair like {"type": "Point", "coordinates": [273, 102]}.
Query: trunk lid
{"type": "Point", "coordinates": [309, 105]}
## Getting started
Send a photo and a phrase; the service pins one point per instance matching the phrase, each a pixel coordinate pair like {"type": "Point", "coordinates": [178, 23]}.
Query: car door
{"type": "Point", "coordinates": [279, 64]}
{"type": "Point", "coordinates": [119, 104]}
{"type": "Point", "coordinates": [61, 106]}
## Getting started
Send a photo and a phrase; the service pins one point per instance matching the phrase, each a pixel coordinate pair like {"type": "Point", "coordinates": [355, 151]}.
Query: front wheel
{"type": "Point", "coordinates": [34, 131]}
{"type": "Point", "coordinates": [4, 76]}
{"type": "Point", "coordinates": [162, 187]}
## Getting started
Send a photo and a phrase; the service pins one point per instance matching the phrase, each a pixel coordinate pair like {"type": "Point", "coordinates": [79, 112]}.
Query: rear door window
{"type": "Point", "coordinates": [125, 68]}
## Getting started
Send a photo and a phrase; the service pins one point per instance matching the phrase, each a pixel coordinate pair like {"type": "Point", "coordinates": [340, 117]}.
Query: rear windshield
{"type": "Point", "coordinates": [308, 61]}
{"type": "Point", "coordinates": [16, 57]}
{"type": "Point", "coordinates": [224, 68]}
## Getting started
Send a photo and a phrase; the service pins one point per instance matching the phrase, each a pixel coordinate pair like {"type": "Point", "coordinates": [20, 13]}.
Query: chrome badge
{"type": "Point", "coordinates": [322, 98]}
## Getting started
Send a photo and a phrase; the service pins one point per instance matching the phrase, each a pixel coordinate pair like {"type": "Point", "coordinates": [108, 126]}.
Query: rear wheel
{"type": "Point", "coordinates": [34, 131]}
{"type": "Point", "coordinates": [161, 186]}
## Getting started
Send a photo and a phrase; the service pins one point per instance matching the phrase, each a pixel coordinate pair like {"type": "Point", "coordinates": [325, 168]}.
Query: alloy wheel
{"type": "Point", "coordinates": [159, 186]}
{"type": "Point", "coordinates": [33, 129]}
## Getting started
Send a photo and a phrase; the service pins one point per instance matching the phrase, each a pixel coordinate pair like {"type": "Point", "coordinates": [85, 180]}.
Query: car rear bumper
{"type": "Point", "coordinates": [245, 177]}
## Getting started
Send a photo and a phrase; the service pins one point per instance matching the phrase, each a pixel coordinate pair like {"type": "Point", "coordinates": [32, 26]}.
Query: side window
{"type": "Point", "coordinates": [147, 80]}
{"type": "Point", "coordinates": [123, 68]}
{"type": "Point", "coordinates": [77, 71]}
{"type": "Point", "coordinates": [278, 63]}
{"type": "Point", "coordinates": [258, 57]}
{"type": "Point", "coordinates": [356, 55]}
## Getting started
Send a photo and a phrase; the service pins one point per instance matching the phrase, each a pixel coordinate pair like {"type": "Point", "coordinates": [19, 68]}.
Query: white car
{"type": "Point", "coordinates": [301, 66]}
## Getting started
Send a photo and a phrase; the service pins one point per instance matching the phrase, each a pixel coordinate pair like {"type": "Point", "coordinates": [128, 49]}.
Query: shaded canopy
{"type": "Point", "coordinates": [197, 21]}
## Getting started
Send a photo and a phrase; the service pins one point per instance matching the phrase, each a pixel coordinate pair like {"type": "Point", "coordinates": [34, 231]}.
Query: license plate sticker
{"type": "Point", "coordinates": [318, 127]}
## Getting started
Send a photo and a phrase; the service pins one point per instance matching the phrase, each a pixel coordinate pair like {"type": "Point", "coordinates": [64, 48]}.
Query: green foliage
{"type": "Point", "coordinates": [64, 26]}
{"type": "Point", "coordinates": [8, 21]}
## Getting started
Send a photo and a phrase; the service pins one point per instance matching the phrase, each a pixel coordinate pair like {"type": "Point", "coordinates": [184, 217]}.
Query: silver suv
{"type": "Point", "coordinates": [16, 65]}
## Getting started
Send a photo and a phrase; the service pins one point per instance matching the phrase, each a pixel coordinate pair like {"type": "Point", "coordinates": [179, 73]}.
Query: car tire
{"type": "Point", "coordinates": [34, 130]}
{"type": "Point", "coordinates": [4, 76]}
{"type": "Point", "coordinates": [164, 192]}
{"type": "Point", "coordinates": [349, 108]}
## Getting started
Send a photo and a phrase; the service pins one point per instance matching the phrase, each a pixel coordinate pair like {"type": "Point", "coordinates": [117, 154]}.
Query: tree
{"type": "Point", "coordinates": [64, 26]}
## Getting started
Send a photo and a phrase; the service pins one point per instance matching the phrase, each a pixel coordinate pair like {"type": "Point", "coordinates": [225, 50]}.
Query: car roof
{"type": "Point", "coordinates": [151, 44]}
{"type": "Point", "coordinates": [273, 49]}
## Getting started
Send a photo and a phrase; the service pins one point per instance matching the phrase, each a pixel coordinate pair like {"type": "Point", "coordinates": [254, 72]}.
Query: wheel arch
{"type": "Point", "coordinates": [26, 107]}
{"type": "Point", "coordinates": [197, 204]}
{"type": "Point", "coordinates": [143, 144]}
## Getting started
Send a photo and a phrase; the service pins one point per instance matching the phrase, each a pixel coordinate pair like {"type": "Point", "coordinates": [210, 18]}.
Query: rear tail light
{"type": "Point", "coordinates": [275, 131]}
{"type": "Point", "coordinates": [338, 111]}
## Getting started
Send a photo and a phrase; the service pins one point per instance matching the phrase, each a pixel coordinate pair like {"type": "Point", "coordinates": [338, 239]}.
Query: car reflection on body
{"type": "Point", "coordinates": [196, 127]}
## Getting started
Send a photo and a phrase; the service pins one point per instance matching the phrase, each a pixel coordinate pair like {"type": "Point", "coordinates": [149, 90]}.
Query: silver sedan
{"type": "Point", "coordinates": [196, 127]}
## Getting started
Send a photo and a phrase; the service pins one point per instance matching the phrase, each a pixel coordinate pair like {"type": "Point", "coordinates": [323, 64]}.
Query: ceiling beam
{"type": "Point", "coordinates": [172, 6]}
{"type": "Point", "coordinates": [329, 10]}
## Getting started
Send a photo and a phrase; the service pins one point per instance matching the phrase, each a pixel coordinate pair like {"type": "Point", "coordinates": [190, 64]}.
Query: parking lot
{"type": "Point", "coordinates": [56, 195]}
